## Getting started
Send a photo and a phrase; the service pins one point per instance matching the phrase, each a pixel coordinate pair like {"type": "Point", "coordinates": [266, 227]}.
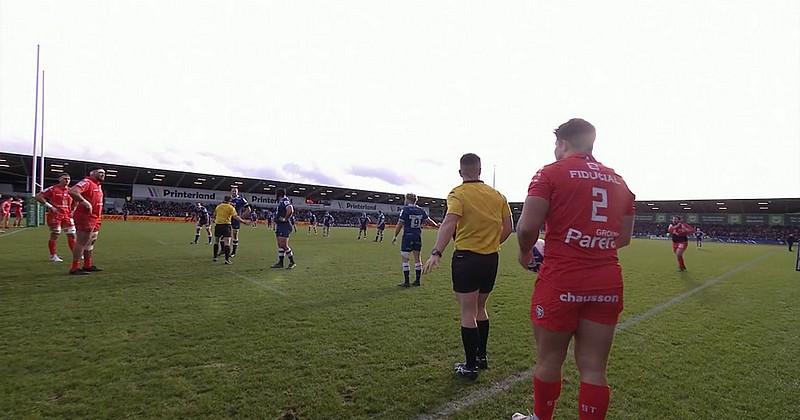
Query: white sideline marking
{"type": "Point", "coordinates": [11, 233]}
{"type": "Point", "coordinates": [496, 388]}
{"type": "Point", "coordinates": [160, 242]}
{"type": "Point", "coordinates": [258, 283]}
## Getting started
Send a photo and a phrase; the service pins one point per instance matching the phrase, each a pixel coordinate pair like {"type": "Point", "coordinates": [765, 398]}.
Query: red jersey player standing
{"type": "Point", "coordinates": [679, 232]}
{"type": "Point", "coordinates": [89, 197]}
{"type": "Point", "coordinates": [59, 214]}
{"type": "Point", "coordinates": [16, 208]}
{"type": "Point", "coordinates": [5, 211]}
{"type": "Point", "coordinates": [588, 213]}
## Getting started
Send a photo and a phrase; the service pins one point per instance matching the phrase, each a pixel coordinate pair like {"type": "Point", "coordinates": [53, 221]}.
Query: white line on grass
{"type": "Point", "coordinates": [258, 283]}
{"type": "Point", "coordinates": [496, 388]}
{"type": "Point", "coordinates": [11, 233]}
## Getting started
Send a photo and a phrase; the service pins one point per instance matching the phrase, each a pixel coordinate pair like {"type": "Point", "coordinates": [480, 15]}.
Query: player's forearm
{"type": "Point", "coordinates": [508, 226]}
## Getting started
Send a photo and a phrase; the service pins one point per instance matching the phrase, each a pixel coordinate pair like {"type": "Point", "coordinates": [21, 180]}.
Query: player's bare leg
{"type": "Point", "coordinates": [482, 321]}
{"type": "Point", "coordinates": [551, 351]}
{"type": "Point", "coordinates": [88, 253]}
{"type": "Point", "coordinates": [679, 256]}
{"type": "Point", "coordinates": [417, 268]}
{"type": "Point", "coordinates": [283, 251]}
{"type": "Point", "coordinates": [52, 244]}
{"type": "Point", "coordinates": [593, 342]}
{"type": "Point", "coordinates": [235, 241]}
{"type": "Point", "coordinates": [470, 336]}
{"type": "Point", "coordinates": [82, 239]}
{"type": "Point", "coordinates": [406, 268]}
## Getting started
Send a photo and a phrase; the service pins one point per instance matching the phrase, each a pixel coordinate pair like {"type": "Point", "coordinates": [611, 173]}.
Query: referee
{"type": "Point", "coordinates": [479, 220]}
{"type": "Point", "coordinates": [223, 215]}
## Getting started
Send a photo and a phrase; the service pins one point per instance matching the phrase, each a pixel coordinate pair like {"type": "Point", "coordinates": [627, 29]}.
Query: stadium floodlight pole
{"type": "Point", "coordinates": [35, 126]}
{"type": "Point", "coordinates": [41, 142]}
{"type": "Point", "coordinates": [494, 174]}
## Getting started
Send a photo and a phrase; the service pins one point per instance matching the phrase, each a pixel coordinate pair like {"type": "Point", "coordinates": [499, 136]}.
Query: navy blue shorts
{"type": "Point", "coordinates": [235, 224]}
{"type": "Point", "coordinates": [382, 226]}
{"type": "Point", "coordinates": [411, 243]}
{"type": "Point", "coordinates": [283, 230]}
{"type": "Point", "coordinates": [363, 227]}
{"type": "Point", "coordinates": [203, 221]}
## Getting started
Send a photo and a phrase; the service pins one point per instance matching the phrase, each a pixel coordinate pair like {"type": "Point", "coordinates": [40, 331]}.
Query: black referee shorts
{"type": "Point", "coordinates": [472, 271]}
{"type": "Point", "coordinates": [222, 231]}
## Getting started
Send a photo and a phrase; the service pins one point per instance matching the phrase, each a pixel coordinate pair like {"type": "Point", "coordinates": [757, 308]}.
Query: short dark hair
{"type": "Point", "coordinates": [470, 159]}
{"type": "Point", "coordinates": [226, 199]}
{"type": "Point", "coordinates": [280, 192]}
{"type": "Point", "coordinates": [573, 129]}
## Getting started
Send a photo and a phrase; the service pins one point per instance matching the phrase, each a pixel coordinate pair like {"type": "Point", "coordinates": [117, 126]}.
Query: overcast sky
{"type": "Point", "coordinates": [691, 99]}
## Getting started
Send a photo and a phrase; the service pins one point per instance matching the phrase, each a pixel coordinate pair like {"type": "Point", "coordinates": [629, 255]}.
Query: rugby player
{"type": "Point", "coordinates": [411, 220]}
{"type": "Point", "coordinates": [312, 222]}
{"type": "Point", "coordinates": [381, 222]}
{"type": "Point", "coordinates": [203, 222]}
{"type": "Point", "coordinates": [679, 232]}
{"type": "Point", "coordinates": [588, 213]}
{"type": "Point", "coordinates": [224, 215]}
{"type": "Point", "coordinates": [698, 236]}
{"type": "Point", "coordinates": [242, 208]}
{"type": "Point", "coordinates": [327, 222]}
{"type": "Point", "coordinates": [253, 217]}
{"type": "Point", "coordinates": [16, 208]}
{"type": "Point", "coordinates": [479, 219]}
{"type": "Point", "coordinates": [58, 202]}
{"type": "Point", "coordinates": [5, 211]}
{"type": "Point", "coordinates": [88, 194]}
{"type": "Point", "coordinates": [363, 221]}
{"type": "Point", "coordinates": [283, 228]}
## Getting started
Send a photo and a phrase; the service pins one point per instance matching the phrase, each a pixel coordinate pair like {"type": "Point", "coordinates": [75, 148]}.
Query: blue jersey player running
{"type": "Point", "coordinates": [203, 221]}
{"type": "Point", "coordinates": [243, 210]}
{"type": "Point", "coordinates": [381, 222]}
{"type": "Point", "coordinates": [363, 221]}
{"type": "Point", "coordinates": [283, 228]}
{"type": "Point", "coordinates": [412, 218]}
{"type": "Point", "coordinates": [254, 217]}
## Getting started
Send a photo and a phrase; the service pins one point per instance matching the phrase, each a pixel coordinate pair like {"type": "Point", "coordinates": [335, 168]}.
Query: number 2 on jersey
{"type": "Point", "coordinates": [602, 203]}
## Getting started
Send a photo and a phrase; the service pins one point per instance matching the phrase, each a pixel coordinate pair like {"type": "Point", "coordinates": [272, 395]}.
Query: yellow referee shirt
{"type": "Point", "coordinates": [482, 210]}
{"type": "Point", "coordinates": [224, 213]}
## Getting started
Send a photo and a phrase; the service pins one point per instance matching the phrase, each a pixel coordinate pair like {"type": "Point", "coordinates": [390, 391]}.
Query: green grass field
{"type": "Point", "coordinates": [165, 333]}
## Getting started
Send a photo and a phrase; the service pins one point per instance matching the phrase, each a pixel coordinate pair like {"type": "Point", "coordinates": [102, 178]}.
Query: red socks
{"type": "Point", "coordinates": [51, 244]}
{"type": "Point", "coordinates": [545, 395]}
{"type": "Point", "coordinates": [680, 263]}
{"type": "Point", "coordinates": [593, 401]}
{"type": "Point", "coordinates": [87, 259]}
{"type": "Point", "coordinates": [71, 242]}
{"type": "Point", "coordinates": [75, 265]}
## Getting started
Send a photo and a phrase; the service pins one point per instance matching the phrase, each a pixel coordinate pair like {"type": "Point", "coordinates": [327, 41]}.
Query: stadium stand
{"type": "Point", "coordinates": [739, 220]}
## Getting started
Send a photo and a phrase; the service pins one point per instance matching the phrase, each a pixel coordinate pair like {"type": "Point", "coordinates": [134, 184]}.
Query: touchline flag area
{"type": "Point", "coordinates": [365, 210]}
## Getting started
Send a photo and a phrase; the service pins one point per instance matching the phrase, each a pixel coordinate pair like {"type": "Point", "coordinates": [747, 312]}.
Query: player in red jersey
{"type": "Point", "coordinates": [5, 211]}
{"type": "Point", "coordinates": [588, 213]}
{"type": "Point", "coordinates": [679, 232]}
{"type": "Point", "coordinates": [88, 195]}
{"type": "Point", "coordinates": [59, 214]}
{"type": "Point", "coordinates": [16, 208]}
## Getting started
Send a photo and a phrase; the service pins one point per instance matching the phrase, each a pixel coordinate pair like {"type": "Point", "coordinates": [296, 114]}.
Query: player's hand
{"type": "Point", "coordinates": [431, 264]}
{"type": "Point", "coordinates": [525, 259]}
{"type": "Point", "coordinates": [88, 205]}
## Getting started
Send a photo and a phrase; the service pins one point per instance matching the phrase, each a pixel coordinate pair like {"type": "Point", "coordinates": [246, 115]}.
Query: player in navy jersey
{"type": "Point", "coordinates": [283, 228]}
{"type": "Point", "coordinates": [254, 217]}
{"type": "Point", "coordinates": [269, 216]}
{"type": "Point", "coordinates": [381, 222]}
{"type": "Point", "coordinates": [203, 221]}
{"type": "Point", "coordinates": [312, 222]}
{"type": "Point", "coordinates": [363, 221]}
{"type": "Point", "coordinates": [243, 210]}
{"type": "Point", "coordinates": [698, 236]}
{"type": "Point", "coordinates": [412, 218]}
{"type": "Point", "coordinates": [327, 222]}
